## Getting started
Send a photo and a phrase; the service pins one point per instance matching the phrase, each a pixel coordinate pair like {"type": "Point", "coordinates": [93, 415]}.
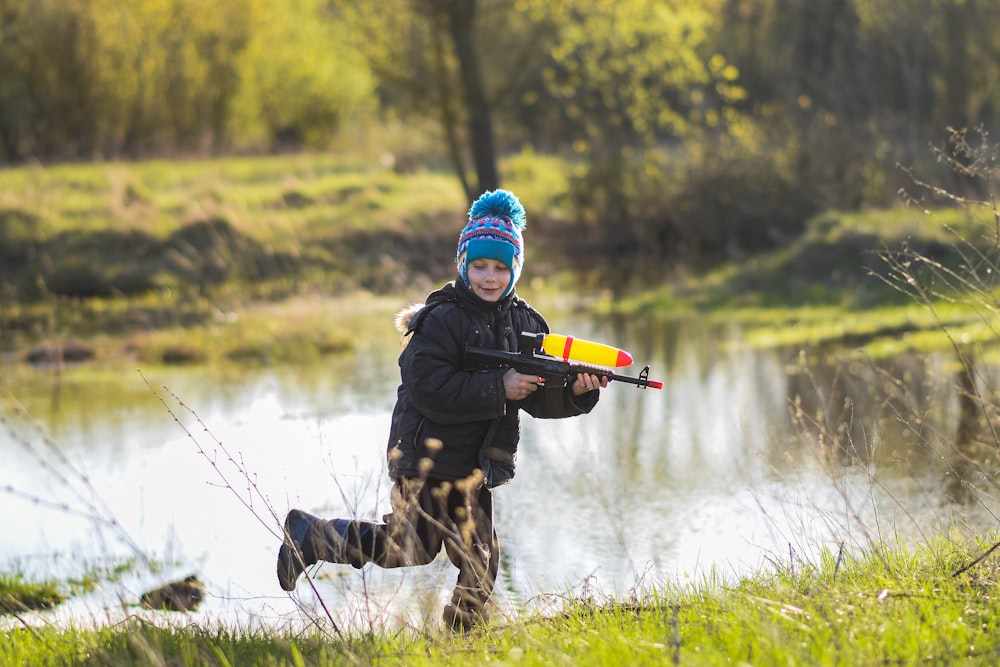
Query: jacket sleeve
{"type": "Point", "coordinates": [438, 387]}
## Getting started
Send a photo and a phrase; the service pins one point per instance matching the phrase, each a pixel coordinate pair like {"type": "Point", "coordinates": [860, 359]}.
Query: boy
{"type": "Point", "coordinates": [455, 426]}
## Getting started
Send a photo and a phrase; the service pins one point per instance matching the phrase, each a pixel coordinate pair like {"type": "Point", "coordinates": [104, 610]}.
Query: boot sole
{"type": "Point", "coordinates": [288, 569]}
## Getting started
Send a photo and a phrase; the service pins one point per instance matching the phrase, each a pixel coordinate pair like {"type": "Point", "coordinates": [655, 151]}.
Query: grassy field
{"type": "Point", "coordinates": [154, 258]}
{"type": "Point", "coordinates": [880, 282]}
{"type": "Point", "coordinates": [928, 604]}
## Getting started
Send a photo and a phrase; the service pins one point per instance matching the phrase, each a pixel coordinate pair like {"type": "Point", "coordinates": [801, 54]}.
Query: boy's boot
{"type": "Point", "coordinates": [308, 540]}
{"type": "Point", "coordinates": [467, 609]}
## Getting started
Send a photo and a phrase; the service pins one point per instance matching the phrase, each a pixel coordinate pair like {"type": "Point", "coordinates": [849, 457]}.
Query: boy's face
{"type": "Point", "coordinates": [489, 278]}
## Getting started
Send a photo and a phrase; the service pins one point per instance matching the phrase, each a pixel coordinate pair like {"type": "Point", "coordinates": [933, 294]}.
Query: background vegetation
{"type": "Point", "coordinates": [694, 131]}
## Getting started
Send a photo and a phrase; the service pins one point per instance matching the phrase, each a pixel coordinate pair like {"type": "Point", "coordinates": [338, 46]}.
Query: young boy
{"type": "Point", "coordinates": [455, 426]}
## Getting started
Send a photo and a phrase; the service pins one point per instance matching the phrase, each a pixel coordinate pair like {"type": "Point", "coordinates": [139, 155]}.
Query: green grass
{"type": "Point", "coordinates": [19, 594]}
{"type": "Point", "coordinates": [293, 331]}
{"type": "Point", "coordinates": [837, 262]}
{"type": "Point", "coordinates": [201, 331]}
{"type": "Point", "coordinates": [890, 605]}
{"type": "Point", "coordinates": [834, 288]}
{"type": "Point", "coordinates": [114, 248]}
{"type": "Point", "coordinates": [254, 225]}
{"type": "Point", "coordinates": [286, 202]}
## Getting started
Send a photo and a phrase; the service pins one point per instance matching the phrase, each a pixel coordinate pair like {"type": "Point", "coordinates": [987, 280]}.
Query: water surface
{"type": "Point", "coordinates": [710, 477]}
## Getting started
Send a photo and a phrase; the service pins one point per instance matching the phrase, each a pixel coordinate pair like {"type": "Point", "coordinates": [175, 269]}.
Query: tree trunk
{"type": "Point", "coordinates": [461, 21]}
{"type": "Point", "coordinates": [449, 117]}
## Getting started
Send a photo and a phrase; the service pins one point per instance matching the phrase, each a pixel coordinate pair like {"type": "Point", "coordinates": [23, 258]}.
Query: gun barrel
{"type": "Point", "coordinates": [641, 381]}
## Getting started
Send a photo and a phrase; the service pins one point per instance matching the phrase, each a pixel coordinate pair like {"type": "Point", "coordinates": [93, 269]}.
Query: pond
{"type": "Point", "coordinates": [745, 461]}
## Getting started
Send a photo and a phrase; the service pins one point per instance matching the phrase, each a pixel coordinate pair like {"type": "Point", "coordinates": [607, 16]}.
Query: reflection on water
{"type": "Point", "coordinates": [744, 460]}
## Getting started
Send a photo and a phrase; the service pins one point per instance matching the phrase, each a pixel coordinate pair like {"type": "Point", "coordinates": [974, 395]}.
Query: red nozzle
{"type": "Point", "coordinates": [655, 384]}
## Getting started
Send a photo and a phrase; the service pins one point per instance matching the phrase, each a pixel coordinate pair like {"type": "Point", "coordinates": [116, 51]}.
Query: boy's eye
{"type": "Point", "coordinates": [483, 266]}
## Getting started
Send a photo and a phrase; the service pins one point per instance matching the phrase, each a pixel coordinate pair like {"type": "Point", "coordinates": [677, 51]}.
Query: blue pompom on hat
{"type": "Point", "coordinates": [496, 221]}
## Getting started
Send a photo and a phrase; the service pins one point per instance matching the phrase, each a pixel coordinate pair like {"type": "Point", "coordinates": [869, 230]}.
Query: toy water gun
{"type": "Point", "coordinates": [574, 357]}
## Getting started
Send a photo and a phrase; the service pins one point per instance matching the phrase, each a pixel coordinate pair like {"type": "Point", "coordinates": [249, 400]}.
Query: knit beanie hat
{"type": "Point", "coordinates": [494, 232]}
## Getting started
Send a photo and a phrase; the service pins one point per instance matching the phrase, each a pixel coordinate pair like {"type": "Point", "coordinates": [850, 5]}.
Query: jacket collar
{"type": "Point", "coordinates": [409, 319]}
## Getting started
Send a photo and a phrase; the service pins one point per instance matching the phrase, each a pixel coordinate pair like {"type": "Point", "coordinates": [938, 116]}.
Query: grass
{"type": "Point", "coordinates": [19, 594]}
{"type": "Point", "coordinates": [932, 603]}
{"type": "Point", "coordinates": [153, 252]}
{"type": "Point", "coordinates": [275, 223]}
{"type": "Point", "coordinates": [835, 287]}
{"type": "Point", "coordinates": [293, 331]}
{"type": "Point", "coordinates": [118, 248]}
{"type": "Point", "coordinates": [237, 226]}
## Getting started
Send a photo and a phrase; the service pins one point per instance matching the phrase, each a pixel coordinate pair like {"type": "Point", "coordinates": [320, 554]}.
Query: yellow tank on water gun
{"type": "Point", "coordinates": [582, 351]}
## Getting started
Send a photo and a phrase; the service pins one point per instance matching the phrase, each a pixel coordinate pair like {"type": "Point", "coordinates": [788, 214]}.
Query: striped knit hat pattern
{"type": "Point", "coordinates": [496, 221]}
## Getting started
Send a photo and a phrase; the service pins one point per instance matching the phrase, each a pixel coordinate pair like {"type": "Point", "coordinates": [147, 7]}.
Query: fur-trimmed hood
{"type": "Point", "coordinates": [405, 316]}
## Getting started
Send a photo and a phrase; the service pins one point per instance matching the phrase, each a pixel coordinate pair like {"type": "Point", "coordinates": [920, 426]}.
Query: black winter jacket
{"type": "Point", "coordinates": [443, 398]}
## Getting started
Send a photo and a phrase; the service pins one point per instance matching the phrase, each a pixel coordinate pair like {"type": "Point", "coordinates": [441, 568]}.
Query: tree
{"type": "Point", "coordinates": [603, 76]}
{"type": "Point", "coordinates": [102, 78]}
{"type": "Point", "coordinates": [635, 79]}
{"type": "Point", "coordinates": [426, 56]}
{"type": "Point", "coordinates": [301, 80]}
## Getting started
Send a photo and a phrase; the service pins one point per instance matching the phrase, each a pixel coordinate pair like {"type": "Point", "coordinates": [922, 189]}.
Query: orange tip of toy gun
{"type": "Point", "coordinates": [588, 352]}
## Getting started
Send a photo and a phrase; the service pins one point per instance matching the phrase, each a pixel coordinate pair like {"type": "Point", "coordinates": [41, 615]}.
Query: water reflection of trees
{"type": "Point", "coordinates": [915, 413]}
{"type": "Point", "coordinates": [727, 410]}
{"type": "Point", "coordinates": [973, 460]}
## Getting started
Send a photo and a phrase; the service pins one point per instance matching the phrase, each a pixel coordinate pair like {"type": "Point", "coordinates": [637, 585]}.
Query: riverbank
{"type": "Point", "coordinates": [156, 259]}
{"type": "Point", "coordinates": [931, 603]}
{"type": "Point", "coordinates": [878, 282]}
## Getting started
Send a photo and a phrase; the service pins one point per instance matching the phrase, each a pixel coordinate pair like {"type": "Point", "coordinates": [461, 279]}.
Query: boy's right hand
{"type": "Point", "coordinates": [518, 386]}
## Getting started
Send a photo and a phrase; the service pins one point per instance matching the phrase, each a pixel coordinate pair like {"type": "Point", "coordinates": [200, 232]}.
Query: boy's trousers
{"type": "Point", "coordinates": [426, 515]}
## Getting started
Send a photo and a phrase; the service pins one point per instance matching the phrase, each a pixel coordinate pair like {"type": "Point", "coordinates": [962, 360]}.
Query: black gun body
{"type": "Point", "coordinates": [550, 368]}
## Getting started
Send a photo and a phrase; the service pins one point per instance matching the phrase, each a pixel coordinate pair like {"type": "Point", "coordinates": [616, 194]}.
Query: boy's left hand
{"type": "Point", "coordinates": [588, 382]}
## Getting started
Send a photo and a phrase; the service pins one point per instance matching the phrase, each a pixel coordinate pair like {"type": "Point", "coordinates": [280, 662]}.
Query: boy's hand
{"type": "Point", "coordinates": [588, 382]}
{"type": "Point", "coordinates": [518, 386]}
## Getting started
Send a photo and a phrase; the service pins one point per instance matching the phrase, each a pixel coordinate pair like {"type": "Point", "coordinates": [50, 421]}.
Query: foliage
{"type": "Point", "coordinates": [303, 85]}
{"type": "Point", "coordinates": [697, 130]}
{"type": "Point", "coordinates": [104, 78]}
{"type": "Point", "coordinates": [626, 73]}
